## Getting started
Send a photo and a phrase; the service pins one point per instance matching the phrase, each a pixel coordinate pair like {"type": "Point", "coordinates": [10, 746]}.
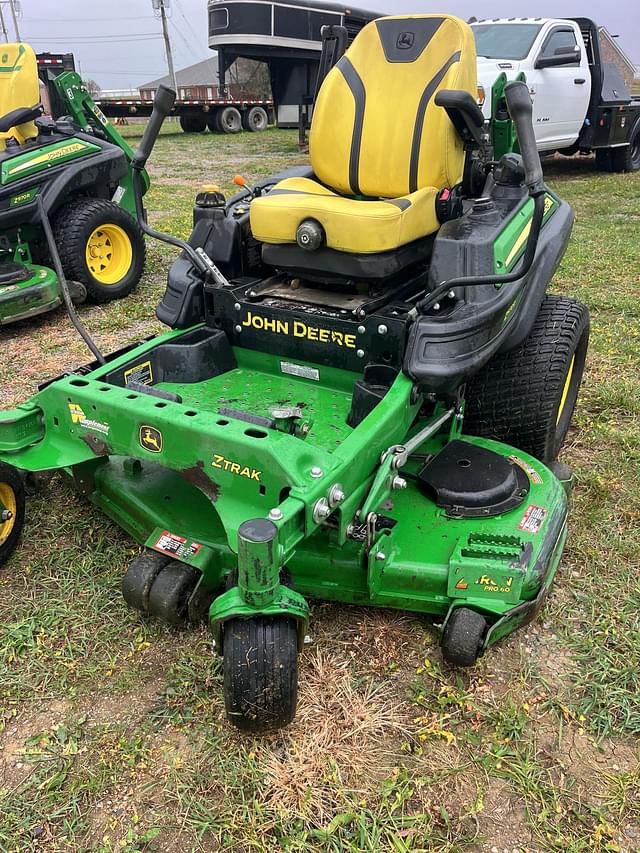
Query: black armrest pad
{"type": "Point", "coordinates": [19, 116]}
{"type": "Point", "coordinates": [455, 99]}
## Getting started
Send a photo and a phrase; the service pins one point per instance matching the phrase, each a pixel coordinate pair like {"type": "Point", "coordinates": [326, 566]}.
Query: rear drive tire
{"type": "Point", "coordinates": [255, 120]}
{"type": "Point", "coordinates": [230, 120]}
{"type": "Point", "coordinates": [526, 397]}
{"type": "Point", "coordinates": [101, 246]}
{"type": "Point", "coordinates": [462, 637]}
{"type": "Point", "coordinates": [12, 500]}
{"type": "Point", "coordinates": [260, 672]}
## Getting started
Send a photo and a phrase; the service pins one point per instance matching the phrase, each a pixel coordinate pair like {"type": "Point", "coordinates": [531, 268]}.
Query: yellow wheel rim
{"type": "Point", "coordinates": [109, 254]}
{"type": "Point", "coordinates": [565, 392]}
{"type": "Point", "coordinates": [7, 502]}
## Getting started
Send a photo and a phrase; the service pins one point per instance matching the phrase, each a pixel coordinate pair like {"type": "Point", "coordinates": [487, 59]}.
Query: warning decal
{"type": "Point", "coordinates": [176, 546]}
{"type": "Point", "coordinates": [533, 519]}
{"type": "Point", "coordinates": [141, 373]}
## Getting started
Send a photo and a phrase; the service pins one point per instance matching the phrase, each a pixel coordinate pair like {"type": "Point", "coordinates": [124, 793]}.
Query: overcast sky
{"type": "Point", "coordinates": [118, 43]}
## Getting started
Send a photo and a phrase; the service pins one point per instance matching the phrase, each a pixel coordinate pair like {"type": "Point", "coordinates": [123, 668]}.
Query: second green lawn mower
{"type": "Point", "coordinates": [364, 388]}
{"type": "Point", "coordinates": [71, 176]}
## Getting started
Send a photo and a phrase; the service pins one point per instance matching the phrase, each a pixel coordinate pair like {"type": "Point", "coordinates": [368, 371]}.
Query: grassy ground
{"type": "Point", "coordinates": [112, 734]}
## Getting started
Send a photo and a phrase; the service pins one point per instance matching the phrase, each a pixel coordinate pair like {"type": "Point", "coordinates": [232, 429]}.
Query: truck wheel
{"type": "Point", "coordinates": [12, 508]}
{"type": "Point", "coordinates": [230, 120]}
{"type": "Point", "coordinates": [256, 120]}
{"type": "Point", "coordinates": [627, 159]}
{"type": "Point", "coordinates": [623, 159]}
{"type": "Point", "coordinates": [101, 246]}
{"type": "Point", "coordinates": [260, 672]}
{"type": "Point", "coordinates": [526, 397]}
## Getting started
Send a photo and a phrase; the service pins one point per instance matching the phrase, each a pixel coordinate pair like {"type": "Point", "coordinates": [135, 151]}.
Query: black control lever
{"type": "Point", "coordinates": [162, 105]}
{"type": "Point", "coordinates": [520, 109]}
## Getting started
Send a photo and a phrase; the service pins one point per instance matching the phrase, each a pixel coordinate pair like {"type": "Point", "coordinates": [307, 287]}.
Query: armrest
{"type": "Point", "coordinates": [19, 116]}
{"type": "Point", "coordinates": [466, 116]}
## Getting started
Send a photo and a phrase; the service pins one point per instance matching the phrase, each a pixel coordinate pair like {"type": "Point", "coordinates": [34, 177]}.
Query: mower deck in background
{"type": "Point", "coordinates": [75, 171]}
{"type": "Point", "coordinates": [364, 389]}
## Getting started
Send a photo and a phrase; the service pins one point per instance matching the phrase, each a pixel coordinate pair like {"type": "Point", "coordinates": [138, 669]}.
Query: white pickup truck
{"type": "Point", "coordinates": [580, 103]}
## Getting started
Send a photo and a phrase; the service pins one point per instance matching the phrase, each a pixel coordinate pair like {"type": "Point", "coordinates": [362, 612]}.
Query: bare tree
{"type": "Point", "coordinates": [93, 88]}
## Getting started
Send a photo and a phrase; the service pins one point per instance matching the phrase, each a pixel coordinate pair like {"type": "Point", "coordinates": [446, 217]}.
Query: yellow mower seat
{"type": "Point", "coordinates": [19, 88]}
{"type": "Point", "coordinates": [379, 146]}
{"type": "Point", "coordinates": [350, 225]}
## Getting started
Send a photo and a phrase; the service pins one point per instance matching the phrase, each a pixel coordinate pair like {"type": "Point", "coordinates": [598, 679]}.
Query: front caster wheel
{"type": "Point", "coordinates": [463, 636]}
{"type": "Point", "coordinates": [260, 672]}
{"type": "Point", "coordinates": [12, 507]}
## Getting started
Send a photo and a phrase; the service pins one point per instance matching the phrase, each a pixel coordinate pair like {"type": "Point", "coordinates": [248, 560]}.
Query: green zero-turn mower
{"type": "Point", "coordinates": [71, 177]}
{"type": "Point", "coordinates": [363, 391]}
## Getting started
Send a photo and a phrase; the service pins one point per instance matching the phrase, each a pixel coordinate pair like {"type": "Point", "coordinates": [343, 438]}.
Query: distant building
{"type": "Point", "coordinates": [199, 82]}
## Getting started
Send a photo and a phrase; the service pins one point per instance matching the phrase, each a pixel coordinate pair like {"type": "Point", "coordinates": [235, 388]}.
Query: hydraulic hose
{"type": "Point", "coordinates": [475, 281]}
{"type": "Point", "coordinates": [64, 287]}
{"type": "Point", "coordinates": [520, 109]}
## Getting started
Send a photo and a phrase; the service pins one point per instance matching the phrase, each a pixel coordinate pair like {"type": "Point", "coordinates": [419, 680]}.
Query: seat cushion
{"type": "Point", "coordinates": [351, 225]}
{"type": "Point", "coordinates": [19, 87]}
{"type": "Point", "coordinates": [377, 130]}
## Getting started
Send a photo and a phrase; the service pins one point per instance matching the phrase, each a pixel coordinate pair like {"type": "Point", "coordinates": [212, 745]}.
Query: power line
{"type": "Point", "coordinates": [186, 20]}
{"type": "Point", "coordinates": [106, 36]}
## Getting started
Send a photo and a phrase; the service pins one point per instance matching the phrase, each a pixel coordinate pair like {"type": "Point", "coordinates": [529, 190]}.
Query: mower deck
{"type": "Point", "coordinates": [182, 477]}
{"type": "Point", "coordinates": [36, 295]}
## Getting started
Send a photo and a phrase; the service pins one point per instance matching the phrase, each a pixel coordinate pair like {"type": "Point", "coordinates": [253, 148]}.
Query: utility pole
{"type": "Point", "coordinates": [162, 6]}
{"type": "Point", "coordinates": [4, 27]}
{"type": "Point", "coordinates": [13, 4]}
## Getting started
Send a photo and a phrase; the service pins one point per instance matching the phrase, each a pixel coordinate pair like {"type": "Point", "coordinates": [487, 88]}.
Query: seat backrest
{"type": "Point", "coordinates": [376, 130]}
{"type": "Point", "coordinates": [19, 87]}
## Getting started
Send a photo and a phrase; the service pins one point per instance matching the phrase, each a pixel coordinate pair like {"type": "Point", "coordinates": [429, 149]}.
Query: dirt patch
{"type": "Point", "coordinates": [17, 730]}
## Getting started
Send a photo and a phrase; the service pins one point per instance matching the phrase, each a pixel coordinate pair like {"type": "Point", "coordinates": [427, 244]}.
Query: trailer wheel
{"type": "Point", "coordinates": [526, 396]}
{"type": "Point", "coordinates": [12, 509]}
{"type": "Point", "coordinates": [256, 120]}
{"type": "Point", "coordinates": [260, 672]}
{"type": "Point", "coordinates": [213, 123]}
{"type": "Point", "coordinates": [196, 123]}
{"type": "Point", "coordinates": [101, 245]}
{"type": "Point", "coordinates": [230, 120]}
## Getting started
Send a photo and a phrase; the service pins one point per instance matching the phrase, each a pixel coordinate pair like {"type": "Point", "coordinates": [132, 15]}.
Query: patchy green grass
{"type": "Point", "coordinates": [112, 733]}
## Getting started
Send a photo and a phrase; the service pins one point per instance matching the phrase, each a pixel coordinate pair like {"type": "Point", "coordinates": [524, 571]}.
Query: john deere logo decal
{"type": "Point", "coordinates": [406, 40]}
{"type": "Point", "coordinates": [151, 439]}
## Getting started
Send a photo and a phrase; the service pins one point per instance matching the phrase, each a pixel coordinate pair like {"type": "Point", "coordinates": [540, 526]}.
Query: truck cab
{"type": "Point", "coordinates": [552, 55]}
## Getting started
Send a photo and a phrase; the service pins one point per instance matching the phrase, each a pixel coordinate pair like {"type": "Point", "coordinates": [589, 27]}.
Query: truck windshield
{"type": "Point", "coordinates": [505, 41]}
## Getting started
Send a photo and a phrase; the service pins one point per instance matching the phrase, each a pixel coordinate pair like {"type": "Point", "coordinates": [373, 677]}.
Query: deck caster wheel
{"type": "Point", "coordinates": [171, 591]}
{"type": "Point", "coordinates": [12, 508]}
{"type": "Point", "coordinates": [463, 636]}
{"type": "Point", "coordinates": [260, 672]}
{"type": "Point", "coordinates": [139, 577]}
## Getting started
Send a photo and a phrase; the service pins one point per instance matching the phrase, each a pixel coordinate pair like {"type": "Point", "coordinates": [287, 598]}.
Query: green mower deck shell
{"type": "Point", "coordinates": [36, 295]}
{"type": "Point", "coordinates": [143, 460]}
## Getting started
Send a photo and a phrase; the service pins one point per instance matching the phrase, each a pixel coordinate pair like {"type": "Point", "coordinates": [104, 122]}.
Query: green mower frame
{"type": "Point", "coordinates": [266, 454]}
